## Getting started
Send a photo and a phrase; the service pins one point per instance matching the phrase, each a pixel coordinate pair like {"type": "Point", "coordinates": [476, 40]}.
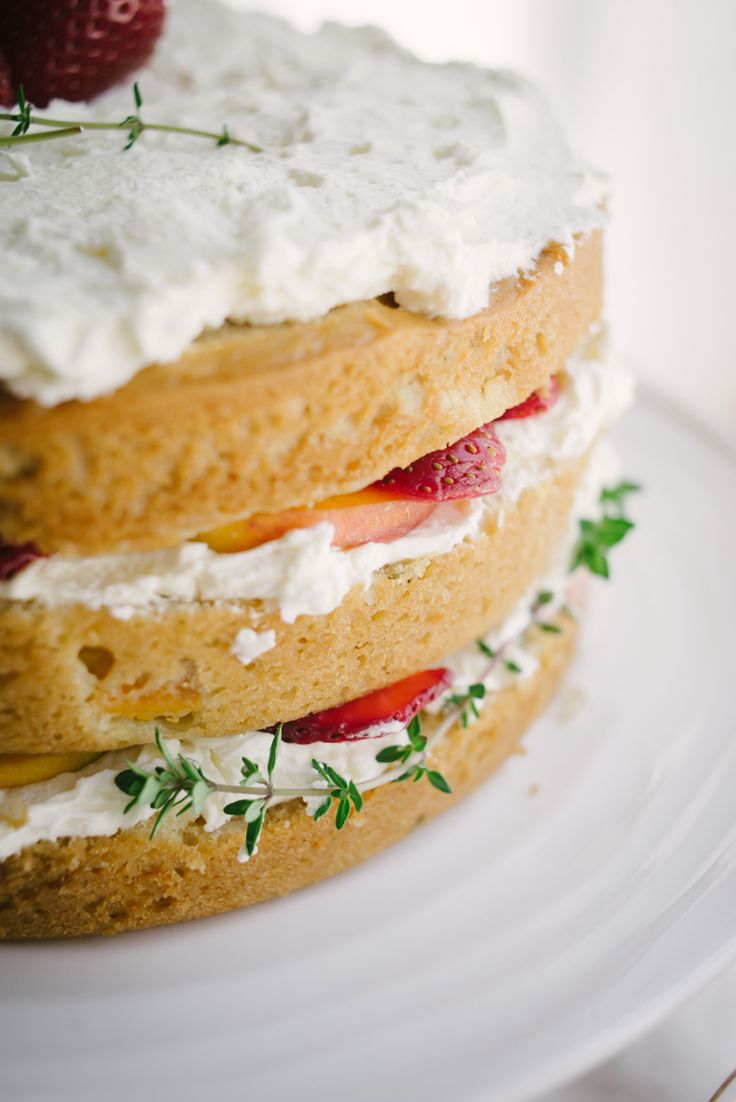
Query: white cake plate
{"type": "Point", "coordinates": [570, 904]}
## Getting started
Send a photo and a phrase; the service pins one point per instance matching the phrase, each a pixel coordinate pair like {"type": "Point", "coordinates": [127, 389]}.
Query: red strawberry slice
{"type": "Point", "coordinates": [399, 702]}
{"type": "Point", "coordinates": [471, 467]}
{"type": "Point", "coordinates": [14, 557]}
{"type": "Point", "coordinates": [75, 49]}
{"type": "Point", "coordinates": [541, 400]}
{"type": "Point", "coordinates": [7, 95]}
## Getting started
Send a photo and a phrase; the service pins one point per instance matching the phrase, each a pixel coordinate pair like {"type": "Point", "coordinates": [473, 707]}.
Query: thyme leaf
{"type": "Point", "coordinates": [597, 537]}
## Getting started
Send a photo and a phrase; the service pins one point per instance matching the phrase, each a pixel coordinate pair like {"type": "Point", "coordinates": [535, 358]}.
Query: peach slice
{"type": "Point", "coordinates": [17, 770]}
{"type": "Point", "coordinates": [367, 516]}
{"type": "Point", "coordinates": [168, 702]}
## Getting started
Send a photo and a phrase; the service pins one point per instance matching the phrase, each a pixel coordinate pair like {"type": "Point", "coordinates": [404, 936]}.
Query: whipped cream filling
{"type": "Point", "coordinates": [88, 803]}
{"type": "Point", "coordinates": [301, 573]}
{"type": "Point", "coordinates": [378, 172]}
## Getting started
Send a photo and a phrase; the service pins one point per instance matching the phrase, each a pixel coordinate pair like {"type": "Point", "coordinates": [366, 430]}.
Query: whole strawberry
{"type": "Point", "coordinates": [7, 95]}
{"type": "Point", "coordinates": [75, 49]}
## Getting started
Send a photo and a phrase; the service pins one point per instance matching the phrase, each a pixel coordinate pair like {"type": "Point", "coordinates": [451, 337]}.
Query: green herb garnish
{"type": "Point", "coordinates": [24, 118]}
{"type": "Point", "coordinates": [597, 537]}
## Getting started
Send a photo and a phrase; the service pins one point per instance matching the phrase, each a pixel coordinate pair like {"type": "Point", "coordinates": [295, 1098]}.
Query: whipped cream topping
{"type": "Point", "coordinates": [301, 573]}
{"type": "Point", "coordinates": [379, 173]}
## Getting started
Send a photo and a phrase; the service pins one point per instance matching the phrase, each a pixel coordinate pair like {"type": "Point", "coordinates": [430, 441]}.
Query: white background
{"type": "Point", "coordinates": [647, 90]}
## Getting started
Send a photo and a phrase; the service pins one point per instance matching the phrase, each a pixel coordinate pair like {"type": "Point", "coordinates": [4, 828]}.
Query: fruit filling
{"type": "Point", "coordinates": [367, 516]}
{"type": "Point", "coordinates": [17, 770]}
{"type": "Point", "coordinates": [15, 556]}
{"type": "Point", "coordinates": [397, 703]}
{"type": "Point", "coordinates": [387, 509]}
{"type": "Point", "coordinates": [402, 499]}
{"type": "Point", "coordinates": [382, 512]}
{"type": "Point", "coordinates": [538, 402]}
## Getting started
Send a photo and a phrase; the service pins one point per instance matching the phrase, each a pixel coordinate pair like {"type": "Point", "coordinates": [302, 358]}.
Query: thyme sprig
{"type": "Point", "coordinates": [413, 757]}
{"type": "Point", "coordinates": [24, 117]}
{"type": "Point", "coordinates": [45, 136]}
{"type": "Point", "coordinates": [181, 784]}
{"type": "Point", "coordinates": [597, 537]}
{"type": "Point", "coordinates": [346, 793]}
{"type": "Point", "coordinates": [467, 702]}
{"type": "Point", "coordinates": [464, 706]}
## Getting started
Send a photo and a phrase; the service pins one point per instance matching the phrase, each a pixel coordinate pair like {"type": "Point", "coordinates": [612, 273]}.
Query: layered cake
{"type": "Point", "coordinates": [302, 461]}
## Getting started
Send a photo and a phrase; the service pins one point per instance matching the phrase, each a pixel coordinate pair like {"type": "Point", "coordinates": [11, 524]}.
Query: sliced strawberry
{"type": "Point", "coordinates": [15, 556]}
{"type": "Point", "coordinates": [7, 95]}
{"type": "Point", "coordinates": [541, 400]}
{"type": "Point", "coordinates": [471, 467]}
{"type": "Point", "coordinates": [399, 703]}
{"type": "Point", "coordinates": [75, 49]}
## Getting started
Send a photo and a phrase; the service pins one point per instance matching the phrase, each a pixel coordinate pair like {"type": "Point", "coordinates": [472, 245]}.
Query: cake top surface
{"type": "Point", "coordinates": [378, 172]}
